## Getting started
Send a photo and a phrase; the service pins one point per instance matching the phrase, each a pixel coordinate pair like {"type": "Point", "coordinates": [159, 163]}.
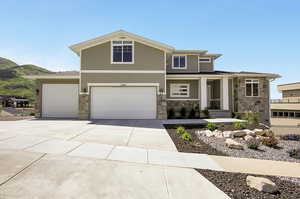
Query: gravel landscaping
{"type": "Point", "coordinates": [195, 146]}
{"type": "Point", "coordinates": [263, 152]}
{"type": "Point", "coordinates": [235, 186]}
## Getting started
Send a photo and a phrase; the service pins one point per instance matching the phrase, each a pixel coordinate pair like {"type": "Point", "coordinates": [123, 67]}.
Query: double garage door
{"type": "Point", "coordinates": [123, 102]}
{"type": "Point", "coordinates": [61, 101]}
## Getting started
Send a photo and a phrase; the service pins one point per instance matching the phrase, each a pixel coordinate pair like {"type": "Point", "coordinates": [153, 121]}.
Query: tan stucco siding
{"type": "Point", "coordinates": [291, 94]}
{"type": "Point", "coordinates": [230, 94]}
{"type": "Point", "coordinates": [122, 78]}
{"type": "Point", "coordinates": [145, 58]}
{"type": "Point", "coordinates": [39, 84]}
{"type": "Point", "coordinates": [194, 88]}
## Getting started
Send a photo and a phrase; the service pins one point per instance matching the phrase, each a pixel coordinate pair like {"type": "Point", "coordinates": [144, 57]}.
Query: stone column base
{"type": "Point", "coordinates": [84, 111]}
{"type": "Point", "coordinates": [161, 107]}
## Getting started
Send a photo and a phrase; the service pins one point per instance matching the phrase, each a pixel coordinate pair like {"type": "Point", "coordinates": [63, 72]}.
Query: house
{"type": "Point", "coordinates": [286, 111]}
{"type": "Point", "coordinates": [126, 76]}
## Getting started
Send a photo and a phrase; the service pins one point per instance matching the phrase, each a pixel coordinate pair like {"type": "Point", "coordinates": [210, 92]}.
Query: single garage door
{"type": "Point", "coordinates": [123, 103]}
{"type": "Point", "coordinates": [60, 100]}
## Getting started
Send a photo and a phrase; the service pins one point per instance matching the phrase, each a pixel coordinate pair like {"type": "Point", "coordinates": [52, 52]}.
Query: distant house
{"type": "Point", "coordinates": [13, 101]}
{"type": "Point", "coordinates": [286, 111]}
{"type": "Point", "coordinates": [126, 76]}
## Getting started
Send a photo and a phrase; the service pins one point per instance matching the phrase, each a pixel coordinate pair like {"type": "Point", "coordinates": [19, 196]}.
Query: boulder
{"type": "Point", "coordinates": [239, 133]}
{"type": "Point", "coordinates": [259, 132]}
{"type": "Point", "coordinates": [261, 184]}
{"type": "Point", "coordinates": [230, 143]}
{"type": "Point", "coordinates": [207, 133]}
{"type": "Point", "coordinates": [218, 134]}
{"type": "Point", "coordinates": [249, 132]}
{"type": "Point", "coordinates": [227, 134]}
{"type": "Point", "coordinates": [248, 137]}
{"type": "Point", "coordinates": [268, 133]}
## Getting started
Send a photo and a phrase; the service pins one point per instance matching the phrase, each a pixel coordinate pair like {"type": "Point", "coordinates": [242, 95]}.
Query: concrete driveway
{"type": "Point", "coordinates": [102, 159]}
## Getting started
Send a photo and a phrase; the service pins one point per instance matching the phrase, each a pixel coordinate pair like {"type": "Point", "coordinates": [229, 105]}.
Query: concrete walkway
{"type": "Point", "coordinates": [29, 175]}
{"type": "Point", "coordinates": [201, 121]}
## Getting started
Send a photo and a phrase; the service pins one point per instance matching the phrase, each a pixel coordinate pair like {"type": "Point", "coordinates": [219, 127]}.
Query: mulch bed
{"type": "Point", "coordinates": [234, 185]}
{"type": "Point", "coordinates": [196, 146]}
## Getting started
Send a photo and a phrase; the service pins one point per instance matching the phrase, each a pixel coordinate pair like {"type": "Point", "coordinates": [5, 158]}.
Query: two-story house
{"type": "Point", "coordinates": [126, 76]}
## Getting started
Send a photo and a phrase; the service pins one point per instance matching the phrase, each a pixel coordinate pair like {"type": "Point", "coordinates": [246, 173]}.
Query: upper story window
{"type": "Point", "coordinates": [179, 61]}
{"type": "Point", "coordinates": [179, 90]}
{"type": "Point", "coordinates": [122, 52]}
{"type": "Point", "coordinates": [204, 59]}
{"type": "Point", "coordinates": [252, 87]}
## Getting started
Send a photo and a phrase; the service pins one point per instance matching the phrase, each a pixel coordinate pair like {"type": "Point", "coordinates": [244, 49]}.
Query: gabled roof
{"type": "Point", "coordinates": [120, 33]}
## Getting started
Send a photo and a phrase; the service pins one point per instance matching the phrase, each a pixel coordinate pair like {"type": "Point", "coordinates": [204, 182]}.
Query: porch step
{"type": "Point", "coordinates": [219, 114]}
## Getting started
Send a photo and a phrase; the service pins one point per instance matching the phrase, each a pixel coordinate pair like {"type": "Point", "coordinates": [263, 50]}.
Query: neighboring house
{"type": "Point", "coordinates": [126, 76]}
{"type": "Point", "coordinates": [286, 111]}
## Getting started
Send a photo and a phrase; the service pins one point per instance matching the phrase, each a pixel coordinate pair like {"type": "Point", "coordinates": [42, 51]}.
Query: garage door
{"type": "Point", "coordinates": [123, 103]}
{"type": "Point", "coordinates": [60, 100]}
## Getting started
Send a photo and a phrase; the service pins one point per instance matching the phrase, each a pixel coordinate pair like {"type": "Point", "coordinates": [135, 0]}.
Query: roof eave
{"type": "Point", "coordinates": [33, 77]}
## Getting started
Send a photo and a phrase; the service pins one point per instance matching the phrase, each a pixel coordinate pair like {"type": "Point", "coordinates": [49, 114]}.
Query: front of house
{"type": "Point", "coordinates": [126, 76]}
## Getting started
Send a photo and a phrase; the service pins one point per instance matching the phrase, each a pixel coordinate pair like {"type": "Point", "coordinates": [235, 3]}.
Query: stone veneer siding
{"type": "Point", "coordinates": [177, 105]}
{"type": "Point", "coordinates": [84, 106]}
{"type": "Point", "coordinates": [161, 113]}
{"type": "Point", "coordinates": [255, 104]}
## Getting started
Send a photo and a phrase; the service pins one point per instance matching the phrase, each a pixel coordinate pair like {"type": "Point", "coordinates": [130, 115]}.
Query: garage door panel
{"type": "Point", "coordinates": [123, 103]}
{"type": "Point", "coordinates": [60, 100]}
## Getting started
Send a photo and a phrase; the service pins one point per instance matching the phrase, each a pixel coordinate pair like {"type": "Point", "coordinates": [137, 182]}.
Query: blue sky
{"type": "Point", "coordinates": [256, 35]}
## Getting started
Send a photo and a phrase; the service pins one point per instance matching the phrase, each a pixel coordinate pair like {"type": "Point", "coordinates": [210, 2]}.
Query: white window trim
{"type": "Point", "coordinates": [179, 96]}
{"type": "Point", "coordinates": [179, 68]}
{"type": "Point", "coordinates": [209, 58]}
{"type": "Point", "coordinates": [252, 81]}
{"type": "Point", "coordinates": [111, 51]}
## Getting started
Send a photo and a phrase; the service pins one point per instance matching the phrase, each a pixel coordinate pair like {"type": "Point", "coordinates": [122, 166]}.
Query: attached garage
{"type": "Point", "coordinates": [123, 102]}
{"type": "Point", "coordinates": [60, 100]}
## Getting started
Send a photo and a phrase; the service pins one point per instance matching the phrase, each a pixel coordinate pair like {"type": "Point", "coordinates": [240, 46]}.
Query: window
{"type": "Point", "coordinates": [179, 62]}
{"type": "Point", "coordinates": [280, 114]}
{"type": "Point", "coordinates": [275, 114]}
{"type": "Point", "coordinates": [204, 60]}
{"type": "Point", "coordinates": [179, 90]}
{"type": "Point", "coordinates": [286, 114]}
{"type": "Point", "coordinates": [291, 114]}
{"type": "Point", "coordinates": [252, 89]}
{"type": "Point", "coordinates": [297, 114]}
{"type": "Point", "coordinates": [122, 52]}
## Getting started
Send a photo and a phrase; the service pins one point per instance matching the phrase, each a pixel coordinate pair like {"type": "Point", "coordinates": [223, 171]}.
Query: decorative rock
{"type": "Point", "coordinates": [259, 132]}
{"type": "Point", "coordinates": [248, 137]}
{"type": "Point", "coordinates": [218, 134]}
{"type": "Point", "coordinates": [249, 132]}
{"type": "Point", "coordinates": [239, 133]}
{"type": "Point", "coordinates": [261, 184]}
{"type": "Point", "coordinates": [227, 134]}
{"type": "Point", "coordinates": [230, 143]}
{"type": "Point", "coordinates": [207, 133]}
{"type": "Point", "coordinates": [269, 133]}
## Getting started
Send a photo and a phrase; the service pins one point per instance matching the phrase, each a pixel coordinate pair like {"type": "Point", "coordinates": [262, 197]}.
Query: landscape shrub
{"type": "Point", "coordinates": [211, 126]}
{"type": "Point", "coordinates": [206, 113]}
{"type": "Point", "coordinates": [171, 113]}
{"type": "Point", "coordinates": [239, 125]}
{"type": "Point", "coordinates": [192, 114]}
{"type": "Point", "coordinates": [32, 113]}
{"type": "Point", "coordinates": [183, 112]}
{"type": "Point", "coordinates": [251, 117]}
{"type": "Point", "coordinates": [180, 130]}
{"type": "Point", "coordinates": [292, 137]}
{"type": "Point", "coordinates": [294, 153]}
{"type": "Point", "coordinates": [270, 142]}
{"type": "Point", "coordinates": [253, 143]}
{"type": "Point", "coordinates": [186, 136]}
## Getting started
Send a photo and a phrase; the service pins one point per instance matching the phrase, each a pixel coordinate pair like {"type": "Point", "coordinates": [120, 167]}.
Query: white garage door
{"type": "Point", "coordinates": [60, 100]}
{"type": "Point", "coordinates": [123, 103]}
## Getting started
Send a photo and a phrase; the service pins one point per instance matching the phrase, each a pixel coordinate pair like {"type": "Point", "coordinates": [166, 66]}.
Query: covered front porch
{"type": "Point", "coordinates": [212, 94]}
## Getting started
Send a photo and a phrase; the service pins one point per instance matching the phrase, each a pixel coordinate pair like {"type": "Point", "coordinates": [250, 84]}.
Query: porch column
{"type": "Point", "coordinates": [225, 92]}
{"type": "Point", "coordinates": [203, 90]}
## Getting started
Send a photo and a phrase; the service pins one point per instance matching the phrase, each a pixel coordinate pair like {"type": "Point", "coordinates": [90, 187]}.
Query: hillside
{"type": "Point", "coordinates": [12, 82]}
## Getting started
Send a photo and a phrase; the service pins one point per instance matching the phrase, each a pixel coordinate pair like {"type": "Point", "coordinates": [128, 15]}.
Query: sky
{"type": "Point", "coordinates": [256, 35]}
